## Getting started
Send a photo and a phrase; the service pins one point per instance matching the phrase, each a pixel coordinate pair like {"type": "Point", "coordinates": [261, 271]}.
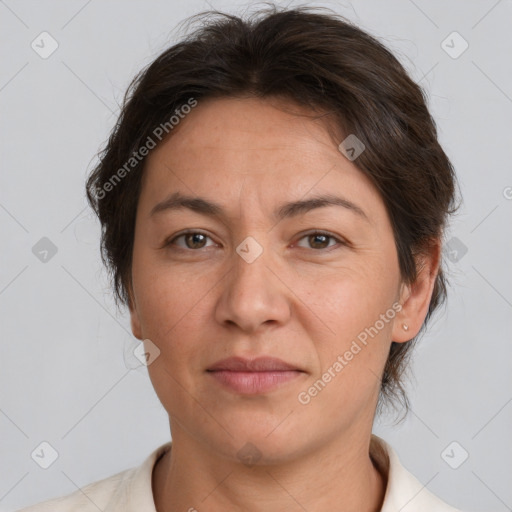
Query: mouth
{"type": "Point", "coordinates": [253, 376]}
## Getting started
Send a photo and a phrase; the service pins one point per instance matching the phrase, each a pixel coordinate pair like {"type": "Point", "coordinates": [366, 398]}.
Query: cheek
{"type": "Point", "coordinates": [165, 294]}
{"type": "Point", "coordinates": [168, 308]}
{"type": "Point", "coordinates": [356, 304]}
{"type": "Point", "coordinates": [350, 360]}
{"type": "Point", "coordinates": [175, 304]}
{"type": "Point", "coordinates": [172, 316]}
{"type": "Point", "coordinates": [351, 296]}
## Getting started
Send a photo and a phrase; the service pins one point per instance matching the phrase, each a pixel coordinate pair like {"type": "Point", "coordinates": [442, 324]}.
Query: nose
{"type": "Point", "coordinates": [253, 293]}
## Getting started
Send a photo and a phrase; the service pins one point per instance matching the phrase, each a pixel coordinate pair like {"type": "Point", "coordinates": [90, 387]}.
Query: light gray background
{"type": "Point", "coordinates": [67, 374]}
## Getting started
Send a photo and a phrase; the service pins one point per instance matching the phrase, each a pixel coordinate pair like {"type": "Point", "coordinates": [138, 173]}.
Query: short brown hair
{"type": "Point", "coordinates": [318, 60]}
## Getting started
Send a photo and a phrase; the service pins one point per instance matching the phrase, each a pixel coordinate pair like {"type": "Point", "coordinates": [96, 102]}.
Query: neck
{"type": "Point", "coordinates": [193, 479]}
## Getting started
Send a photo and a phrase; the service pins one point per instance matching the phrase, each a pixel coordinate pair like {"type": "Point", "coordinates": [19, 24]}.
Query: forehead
{"type": "Point", "coordinates": [252, 150]}
{"type": "Point", "coordinates": [272, 125]}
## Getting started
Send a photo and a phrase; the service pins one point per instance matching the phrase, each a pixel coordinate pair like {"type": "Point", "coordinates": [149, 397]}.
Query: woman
{"type": "Point", "coordinates": [272, 200]}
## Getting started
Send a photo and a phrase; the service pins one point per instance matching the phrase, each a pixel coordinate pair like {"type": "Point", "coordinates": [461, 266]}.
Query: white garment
{"type": "Point", "coordinates": [130, 490]}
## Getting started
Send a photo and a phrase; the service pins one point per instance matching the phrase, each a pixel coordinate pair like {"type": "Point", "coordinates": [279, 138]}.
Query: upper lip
{"type": "Point", "coordinates": [259, 364]}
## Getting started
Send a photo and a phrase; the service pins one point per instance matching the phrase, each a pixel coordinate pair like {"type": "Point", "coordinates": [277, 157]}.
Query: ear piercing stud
{"type": "Point", "coordinates": [405, 327]}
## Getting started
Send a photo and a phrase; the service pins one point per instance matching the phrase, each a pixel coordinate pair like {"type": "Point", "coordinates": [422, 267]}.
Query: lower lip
{"type": "Point", "coordinates": [252, 383]}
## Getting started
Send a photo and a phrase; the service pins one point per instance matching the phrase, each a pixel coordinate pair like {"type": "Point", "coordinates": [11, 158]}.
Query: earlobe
{"type": "Point", "coordinates": [134, 318]}
{"type": "Point", "coordinates": [415, 297]}
{"type": "Point", "coordinates": [135, 324]}
{"type": "Point", "coordinates": [401, 328]}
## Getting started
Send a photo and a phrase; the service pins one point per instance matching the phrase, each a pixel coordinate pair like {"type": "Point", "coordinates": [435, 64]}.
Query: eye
{"type": "Point", "coordinates": [320, 239]}
{"type": "Point", "coordinates": [193, 240]}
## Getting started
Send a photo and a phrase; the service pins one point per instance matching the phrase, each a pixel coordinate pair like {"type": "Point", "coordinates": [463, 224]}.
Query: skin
{"type": "Point", "coordinates": [198, 301]}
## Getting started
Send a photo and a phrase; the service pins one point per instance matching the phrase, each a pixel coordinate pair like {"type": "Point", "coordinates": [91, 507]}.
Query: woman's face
{"type": "Point", "coordinates": [254, 281]}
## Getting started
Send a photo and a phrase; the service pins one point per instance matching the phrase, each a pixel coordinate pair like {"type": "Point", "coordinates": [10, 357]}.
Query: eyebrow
{"type": "Point", "coordinates": [203, 206]}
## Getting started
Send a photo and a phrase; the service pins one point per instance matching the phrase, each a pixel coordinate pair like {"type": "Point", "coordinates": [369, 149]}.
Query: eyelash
{"type": "Point", "coordinates": [169, 241]}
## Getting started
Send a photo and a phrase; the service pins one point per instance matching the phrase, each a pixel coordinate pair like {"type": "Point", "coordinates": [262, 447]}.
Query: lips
{"type": "Point", "coordinates": [253, 376]}
{"type": "Point", "coordinates": [260, 364]}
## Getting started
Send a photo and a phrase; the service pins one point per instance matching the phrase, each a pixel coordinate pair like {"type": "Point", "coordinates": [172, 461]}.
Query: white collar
{"type": "Point", "coordinates": [404, 493]}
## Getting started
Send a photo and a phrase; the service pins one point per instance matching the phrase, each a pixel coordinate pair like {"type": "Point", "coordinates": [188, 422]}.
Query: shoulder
{"type": "Point", "coordinates": [92, 497]}
{"type": "Point", "coordinates": [126, 491]}
{"type": "Point", "coordinates": [404, 492]}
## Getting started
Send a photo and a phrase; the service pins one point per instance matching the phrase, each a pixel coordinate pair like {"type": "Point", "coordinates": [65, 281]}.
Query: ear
{"type": "Point", "coordinates": [134, 315]}
{"type": "Point", "coordinates": [415, 297]}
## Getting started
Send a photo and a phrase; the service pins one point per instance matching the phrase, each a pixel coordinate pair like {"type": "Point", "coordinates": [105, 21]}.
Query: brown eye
{"type": "Point", "coordinates": [319, 240]}
{"type": "Point", "coordinates": [193, 240]}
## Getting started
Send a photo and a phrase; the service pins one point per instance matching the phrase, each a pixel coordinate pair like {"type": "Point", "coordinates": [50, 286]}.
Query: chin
{"type": "Point", "coordinates": [254, 442]}
{"type": "Point", "coordinates": [261, 451]}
